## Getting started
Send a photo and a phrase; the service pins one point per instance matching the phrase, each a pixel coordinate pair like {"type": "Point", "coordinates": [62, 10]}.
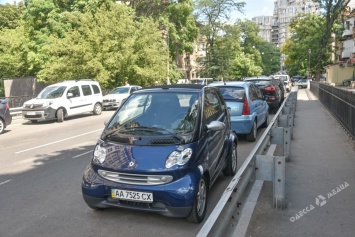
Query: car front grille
{"type": "Point", "coordinates": [111, 100]}
{"type": "Point", "coordinates": [33, 106]}
{"type": "Point", "coordinates": [135, 179]}
{"type": "Point", "coordinates": [33, 116]}
{"type": "Point", "coordinates": [164, 142]}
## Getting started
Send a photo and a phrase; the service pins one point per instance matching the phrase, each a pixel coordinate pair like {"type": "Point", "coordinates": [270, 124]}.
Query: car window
{"type": "Point", "coordinates": [51, 92]}
{"type": "Point", "coordinates": [258, 92]}
{"type": "Point", "coordinates": [96, 89]}
{"type": "Point", "coordinates": [120, 90]}
{"type": "Point", "coordinates": [232, 93]}
{"type": "Point", "coordinates": [86, 90]}
{"type": "Point", "coordinates": [212, 106]}
{"type": "Point", "coordinates": [260, 82]}
{"type": "Point", "coordinates": [74, 90]}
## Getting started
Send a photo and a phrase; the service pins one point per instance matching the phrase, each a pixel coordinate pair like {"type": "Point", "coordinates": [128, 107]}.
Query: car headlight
{"type": "Point", "coordinates": [178, 158]}
{"type": "Point", "coordinates": [99, 154]}
{"type": "Point", "coordinates": [48, 103]}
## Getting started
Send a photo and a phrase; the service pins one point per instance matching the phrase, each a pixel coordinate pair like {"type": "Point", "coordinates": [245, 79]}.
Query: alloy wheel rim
{"type": "Point", "coordinates": [201, 197]}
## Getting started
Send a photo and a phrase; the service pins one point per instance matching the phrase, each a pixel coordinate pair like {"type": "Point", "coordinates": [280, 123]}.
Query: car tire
{"type": "Point", "coordinates": [267, 121]}
{"type": "Point", "coordinates": [300, 87]}
{"type": "Point", "coordinates": [251, 137]}
{"type": "Point", "coordinates": [60, 115]}
{"type": "Point", "coordinates": [34, 121]}
{"type": "Point", "coordinates": [97, 109]}
{"type": "Point", "coordinates": [231, 168]}
{"type": "Point", "coordinates": [2, 126]}
{"type": "Point", "coordinates": [199, 207]}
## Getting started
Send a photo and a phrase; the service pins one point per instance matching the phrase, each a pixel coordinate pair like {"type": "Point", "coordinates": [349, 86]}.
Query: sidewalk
{"type": "Point", "coordinates": [320, 180]}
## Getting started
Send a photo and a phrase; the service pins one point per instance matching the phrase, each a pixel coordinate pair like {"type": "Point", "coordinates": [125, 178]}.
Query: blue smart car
{"type": "Point", "coordinates": [162, 151]}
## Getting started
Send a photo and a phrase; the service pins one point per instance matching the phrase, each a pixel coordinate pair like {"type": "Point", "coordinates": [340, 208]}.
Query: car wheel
{"type": "Point", "coordinates": [199, 207]}
{"type": "Point", "coordinates": [251, 137]}
{"type": "Point", "coordinates": [97, 109]}
{"type": "Point", "coordinates": [2, 126]}
{"type": "Point", "coordinates": [34, 121]}
{"type": "Point", "coordinates": [231, 168]}
{"type": "Point", "coordinates": [267, 121]}
{"type": "Point", "coordinates": [60, 115]}
{"type": "Point", "coordinates": [299, 87]}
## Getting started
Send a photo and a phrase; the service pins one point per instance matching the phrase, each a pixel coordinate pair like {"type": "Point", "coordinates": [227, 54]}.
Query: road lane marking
{"type": "Point", "coordinates": [5, 182]}
{"type": "Point", "coordinates": [82, 154]}
{"type": "Point", "coordinates": [51, 143]}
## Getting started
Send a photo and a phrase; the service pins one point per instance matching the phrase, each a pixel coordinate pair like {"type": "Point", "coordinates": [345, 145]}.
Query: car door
{"type": "Point", "coordinates": [214, 111]}
{"type": "Point", "coordinates": [87, 99]}
{"type": "Point", "coordinates": [73, 98]}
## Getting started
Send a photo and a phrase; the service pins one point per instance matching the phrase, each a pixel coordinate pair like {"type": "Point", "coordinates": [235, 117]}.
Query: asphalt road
{"type": "Point", "coordinates": [40, 184]}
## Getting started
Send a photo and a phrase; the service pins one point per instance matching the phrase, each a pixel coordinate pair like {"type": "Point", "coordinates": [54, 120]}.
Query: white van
{"type": "Point", "coordinates": [64, 99]}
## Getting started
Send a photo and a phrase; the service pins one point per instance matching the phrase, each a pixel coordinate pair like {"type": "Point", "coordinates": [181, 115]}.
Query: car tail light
{"type": "Point", "coordinates": [246, 108]}
{"type": "Point", "coordinates": [270, 89]}
{"type": "Point", "coordinates": [7, 106]}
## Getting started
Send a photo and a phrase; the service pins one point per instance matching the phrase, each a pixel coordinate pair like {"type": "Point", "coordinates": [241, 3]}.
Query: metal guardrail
{"type": "Point", "coordinates": [16, 111]}
{"type": "Point", "coordinates": [280, 132]}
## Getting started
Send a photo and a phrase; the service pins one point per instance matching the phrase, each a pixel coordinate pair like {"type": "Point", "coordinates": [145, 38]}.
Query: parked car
{"type": "Point", "coordinates": [248, 110]}
{"type": "Point", "coordinates": [201, 81]}
{"type": "Point", "coordinates": [302, 83]}
{"type": "Point", "coordinates": [270, 89]}
{"type": "Point", "coordinates": [64, 99]}
{"type": "Point", "coordinates": [114, 99]}
{"type": "Point", "coordinates": [5, 116]}
{"type": "Point", "coordinates": [162, 151]}
{"type": "Point", "coordinates": [286, 81]}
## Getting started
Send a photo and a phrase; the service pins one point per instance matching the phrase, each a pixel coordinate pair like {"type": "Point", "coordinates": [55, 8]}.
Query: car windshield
{"type": "Point", "coordinates": [156, 113]}
{"type": "Point", "coordinates": [51, 92]}
{"type": "Point", "coordinates": [120, 90]}
{"type": "Point", "coordinates": [232, 93]}
{"type": "Point", "coordinates": [260, 82]}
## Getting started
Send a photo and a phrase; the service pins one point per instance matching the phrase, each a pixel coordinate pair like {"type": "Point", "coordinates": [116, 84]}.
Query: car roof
{"type": "Point", "coordinates": [75, 82]}
{"type": "Point", "coordinates": [173, 87]}
{"type": "Point", "coordinates": [257, 78]}
{"type": "Point", "coordinates": [230, 83]}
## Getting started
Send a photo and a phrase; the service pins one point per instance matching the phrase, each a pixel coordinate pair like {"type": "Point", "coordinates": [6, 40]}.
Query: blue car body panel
{"type": "Point", "coordinates": [259, 109]}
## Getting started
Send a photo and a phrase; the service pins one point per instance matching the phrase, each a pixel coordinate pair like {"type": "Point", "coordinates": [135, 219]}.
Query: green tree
{"type": "Point", "coordinates": [332, 12]}
{"type": "Point", "coordinates": [270, 56]}
{"type": "Point", "coordinates": [212, 16]}
{"type": "Point", "coordinates": [302, 49]}
{"type": "Point", "coordinates": [109, 46]}
{"type": "Point", "coordinates": [10, 15]}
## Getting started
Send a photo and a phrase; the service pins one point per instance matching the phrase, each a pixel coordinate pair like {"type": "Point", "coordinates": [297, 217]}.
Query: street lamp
{"type": "Point", "coordinates": [309, 62]}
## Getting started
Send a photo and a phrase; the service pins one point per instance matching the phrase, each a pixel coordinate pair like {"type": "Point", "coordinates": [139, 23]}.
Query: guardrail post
{"type": "Point", "coordinates": [279, 182]}
{"type": "Point", "coordinates": [282, 136]}
{"type": "Point", "coordinates": [286, 121]}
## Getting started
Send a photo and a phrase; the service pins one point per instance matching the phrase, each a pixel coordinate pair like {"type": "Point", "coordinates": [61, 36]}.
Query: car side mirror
{"type": "Point", "coordinates": [70, 95]}
{"type": "Point", "coordinates": [216, 126]}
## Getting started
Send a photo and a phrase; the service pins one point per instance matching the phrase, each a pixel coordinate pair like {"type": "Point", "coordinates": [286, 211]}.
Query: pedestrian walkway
{"type": "Point", "coordinates": [320, 179]}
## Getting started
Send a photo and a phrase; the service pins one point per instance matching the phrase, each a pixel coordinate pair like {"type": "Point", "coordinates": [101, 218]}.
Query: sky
{"type": "Point", "coordinates": [252, 8]}
{"type": "Point", "coordinates": [256, 8]}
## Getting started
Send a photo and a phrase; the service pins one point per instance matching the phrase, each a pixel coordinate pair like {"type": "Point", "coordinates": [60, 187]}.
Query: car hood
{"type": "Point", "coordinates": [115, 96]}
{"type": "Point", "coordinates": [137, 159]}
{"type": "Point", "coordinates": [36, 101]}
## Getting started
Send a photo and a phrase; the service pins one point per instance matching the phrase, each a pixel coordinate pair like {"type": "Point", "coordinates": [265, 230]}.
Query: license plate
{"type": "Point", "coordinates": [31, 113]}
{"type": "Point", "coordinates": [131, 195]}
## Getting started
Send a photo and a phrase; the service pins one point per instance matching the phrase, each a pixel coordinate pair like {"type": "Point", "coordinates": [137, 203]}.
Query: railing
{"type": "Point", "coordinates": [257, 167]}
{"type": "Point", "coordinates": [338, 101]}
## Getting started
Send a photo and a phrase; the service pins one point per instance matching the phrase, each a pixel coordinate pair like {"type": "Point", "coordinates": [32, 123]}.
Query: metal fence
{"type": "Point", "coordinates": [340, 102]}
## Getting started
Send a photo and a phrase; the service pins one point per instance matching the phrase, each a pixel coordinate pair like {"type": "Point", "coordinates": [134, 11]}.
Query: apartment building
{"type": "Point", "coordinates": [275, 28]}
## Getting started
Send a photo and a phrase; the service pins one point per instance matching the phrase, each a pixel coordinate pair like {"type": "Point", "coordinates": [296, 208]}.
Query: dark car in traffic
{"type": "Point", "coordinates": [270, 88]}
{"type": "Point", "coordinates": [5, 116]}
{"type": "Point", "coordinates": [161, 152]}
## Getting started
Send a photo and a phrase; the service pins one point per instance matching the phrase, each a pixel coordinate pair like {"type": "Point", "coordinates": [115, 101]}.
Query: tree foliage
{"type": "Point", "coordinates": [302, 49]}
